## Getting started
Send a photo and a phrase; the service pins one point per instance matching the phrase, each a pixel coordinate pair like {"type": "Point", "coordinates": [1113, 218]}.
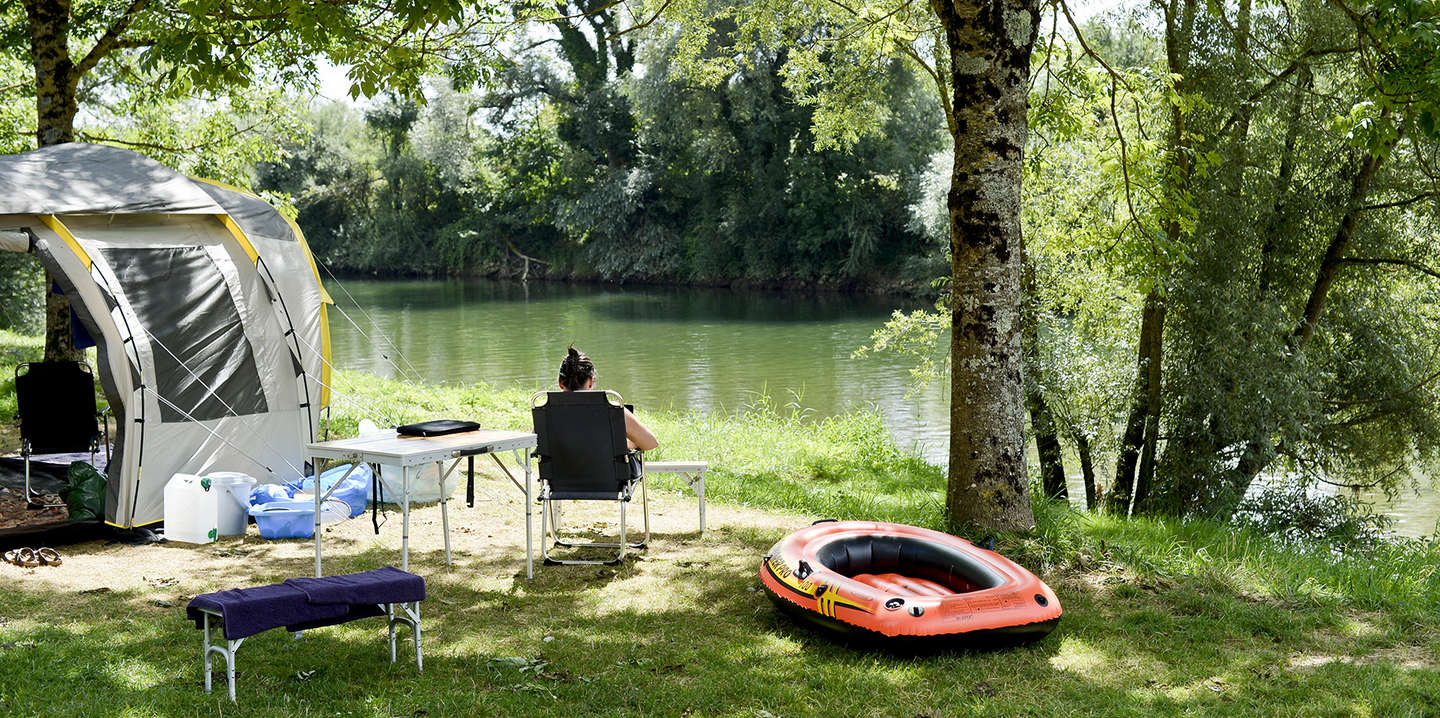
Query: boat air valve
{"type": "Point", "coordinates": [917, 611]}
{"type": "Point", "coordinates": [894, 603]}
{"type": "Point", "coordinates": [803, 571]}
{"type": "Point", "coordinates": [1040, 599]}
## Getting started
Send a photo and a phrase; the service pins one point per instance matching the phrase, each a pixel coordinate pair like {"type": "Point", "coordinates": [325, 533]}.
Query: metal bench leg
{"type": "Point", "coordinates": [205, 652]}
{"type": "Point", "coordinates": [408, 614]}
{"type": "Point", "coordinates": [228, 652]}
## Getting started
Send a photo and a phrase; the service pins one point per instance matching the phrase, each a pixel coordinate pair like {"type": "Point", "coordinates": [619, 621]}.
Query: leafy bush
{"type": "Point", "coordinates": [1296, 515]}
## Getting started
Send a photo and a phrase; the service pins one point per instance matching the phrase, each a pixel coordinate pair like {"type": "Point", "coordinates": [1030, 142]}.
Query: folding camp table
{"type": "Point", "coordinates": [388, 447]}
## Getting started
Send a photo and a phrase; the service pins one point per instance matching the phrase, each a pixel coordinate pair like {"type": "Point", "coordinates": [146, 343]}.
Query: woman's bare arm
{"type": "Point", "coordinates": [638, 435]}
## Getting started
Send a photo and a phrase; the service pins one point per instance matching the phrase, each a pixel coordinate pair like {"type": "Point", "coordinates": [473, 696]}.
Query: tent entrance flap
{"type": "Point", "coordinates": [180, 297]}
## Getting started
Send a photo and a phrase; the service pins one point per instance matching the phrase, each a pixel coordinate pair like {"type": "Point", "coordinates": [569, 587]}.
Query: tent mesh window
{"type": "Point", "coordinates": [180, 297]}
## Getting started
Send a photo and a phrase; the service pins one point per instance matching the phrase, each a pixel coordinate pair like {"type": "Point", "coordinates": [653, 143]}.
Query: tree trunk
{"type": "Point", "coordinates": [1258, 454]}
{"type": "Point", "coordinates": [1087, 470]}
{"type": "Point", "coordinates": [1334, 254]}
{"type": "Point", "coordinates": [1042, 419]}
{"type": "Point", "coordinates": [990, 46]}
{"type": "Point", "coordinates": [1047, 444]}
{"type": "Point", "coordinates": [1138, 441]}
{"type": "Point", "coordinates": [1144, 420]}
{"type": "Point", "coordinates": [1280, 211]}
{"type": "Point", "coordinates": [55, 107]}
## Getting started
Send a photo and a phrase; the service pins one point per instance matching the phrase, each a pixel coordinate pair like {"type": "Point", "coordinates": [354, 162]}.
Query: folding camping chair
{"type": "Point", "coordinates": [584, 457]}
{"type": "Point", "coordinates": [55, 406]}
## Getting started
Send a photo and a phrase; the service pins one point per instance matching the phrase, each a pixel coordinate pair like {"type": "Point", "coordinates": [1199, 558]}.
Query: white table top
{"type": "Point", "coordinates": [411, 450]}
{"type": "Point", "coordinates": [676, 467]}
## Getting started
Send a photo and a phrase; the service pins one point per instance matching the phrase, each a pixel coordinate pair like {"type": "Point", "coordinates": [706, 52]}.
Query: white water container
{"type": "Point", "coordinates": [191, 509]}
{"type": "Point", "coordinates": [233, 496]}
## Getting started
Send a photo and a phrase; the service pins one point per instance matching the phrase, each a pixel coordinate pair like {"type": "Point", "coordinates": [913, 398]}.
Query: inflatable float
{"type": "Point", "coordinates": [905, 585]}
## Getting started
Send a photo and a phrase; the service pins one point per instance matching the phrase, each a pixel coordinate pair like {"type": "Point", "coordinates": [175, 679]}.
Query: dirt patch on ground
{"type": "Point", "coordinates": [487, 542]}
{"type": "Point", "coordinates": [1404, 657]}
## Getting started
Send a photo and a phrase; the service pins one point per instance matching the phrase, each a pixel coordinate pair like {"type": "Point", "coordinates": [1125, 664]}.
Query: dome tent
{"type": "Point", "coordinates": [205, 305]}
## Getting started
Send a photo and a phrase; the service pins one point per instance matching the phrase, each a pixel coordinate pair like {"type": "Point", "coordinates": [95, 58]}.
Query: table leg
{"type": "Point", "coordinates": [318, 572]}
{"type": "Point", "coordinates": [444, 506]}
{"type": "Point", "coordinates": [700, 491]}
{"type": "Point", "coordinates": [529, 514]}
{"type": "Point", "coordinates": [405, 518]}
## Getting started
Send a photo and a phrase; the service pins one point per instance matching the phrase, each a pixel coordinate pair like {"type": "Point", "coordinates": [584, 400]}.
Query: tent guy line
{"type": "Point", "coordinates": [419, 378]}
{"type": "Point", "coordinates": [371, 410]}
{"type": "Point", "coordinates": [216, 395]}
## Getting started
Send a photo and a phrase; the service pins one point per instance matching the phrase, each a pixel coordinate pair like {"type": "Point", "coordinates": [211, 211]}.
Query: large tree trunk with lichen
{"type": "Point", "coordinates": [55, 107]}
{"type": "Point", "coordinates": [989, 45]}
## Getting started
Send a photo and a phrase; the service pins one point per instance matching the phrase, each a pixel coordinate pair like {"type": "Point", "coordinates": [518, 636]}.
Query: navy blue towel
{"type": "Point", "coordinates": [382, 585]}
{"type": "Point", "coordinates": [315, 602]}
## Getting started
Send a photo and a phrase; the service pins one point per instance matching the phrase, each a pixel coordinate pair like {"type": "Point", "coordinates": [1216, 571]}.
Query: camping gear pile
{"type": "Point", "coordinates": [200, 509]}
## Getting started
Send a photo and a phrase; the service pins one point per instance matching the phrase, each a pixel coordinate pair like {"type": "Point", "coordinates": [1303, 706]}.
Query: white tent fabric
{"type": "Point", "coordinates": [204, 302]}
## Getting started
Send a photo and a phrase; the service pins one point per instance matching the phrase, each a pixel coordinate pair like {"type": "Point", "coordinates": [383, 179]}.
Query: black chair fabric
{"type": "Point", "coordinates": [580, 440]}
{"type": "Point", "coordinates": [56, 405]}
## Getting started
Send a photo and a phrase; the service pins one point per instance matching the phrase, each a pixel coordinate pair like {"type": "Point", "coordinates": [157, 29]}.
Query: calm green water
{"type": "Point", "coordinates": [660, 348]}
{"type": "Point", "coordinates": [670, 348]}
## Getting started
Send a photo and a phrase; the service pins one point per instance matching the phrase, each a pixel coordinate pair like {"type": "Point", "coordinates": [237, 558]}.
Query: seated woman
{"type": "Point", "coordinates": [577, 373]}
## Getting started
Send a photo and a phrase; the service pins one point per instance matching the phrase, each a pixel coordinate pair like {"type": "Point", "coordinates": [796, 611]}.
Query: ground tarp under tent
{"type": "Point", "coordinates": [204, 304]}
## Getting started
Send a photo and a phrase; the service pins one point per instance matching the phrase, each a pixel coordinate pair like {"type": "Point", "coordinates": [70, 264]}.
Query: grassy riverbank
{"type": "Point", "coordinates": [1162, 617]}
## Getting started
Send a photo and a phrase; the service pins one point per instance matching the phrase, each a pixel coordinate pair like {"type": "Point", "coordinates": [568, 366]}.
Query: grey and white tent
{"type": "Point", "coordinates": [204, 304]}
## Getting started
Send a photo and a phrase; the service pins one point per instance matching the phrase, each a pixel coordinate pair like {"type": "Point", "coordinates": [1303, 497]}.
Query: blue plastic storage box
{"type": "Point", "coordinates": [285, 518]}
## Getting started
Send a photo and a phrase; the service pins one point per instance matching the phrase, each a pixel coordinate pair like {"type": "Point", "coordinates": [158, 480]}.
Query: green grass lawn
{"type": "Point", "coordinates": [1161, 617]}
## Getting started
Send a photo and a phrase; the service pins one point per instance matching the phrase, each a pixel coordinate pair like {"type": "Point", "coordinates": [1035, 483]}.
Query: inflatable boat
{"type": "Point", "coordinates": [906, 585]}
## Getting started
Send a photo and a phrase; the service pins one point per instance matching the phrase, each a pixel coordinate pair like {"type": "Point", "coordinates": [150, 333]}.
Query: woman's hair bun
{"type": "Point", "coordinates": [576, 370]}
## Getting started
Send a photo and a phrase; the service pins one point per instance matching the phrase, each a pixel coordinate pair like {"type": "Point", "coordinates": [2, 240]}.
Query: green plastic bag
{"type": "Point", "coordinates": [86, 493]}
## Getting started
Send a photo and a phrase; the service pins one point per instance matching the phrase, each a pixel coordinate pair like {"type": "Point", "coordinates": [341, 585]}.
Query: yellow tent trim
{"type": "Point", "coordinates": [299, 236]}
{"type": "Point", "coordinates": [59, 228]}
{"type": "Point", "coordinates": [240, 237]}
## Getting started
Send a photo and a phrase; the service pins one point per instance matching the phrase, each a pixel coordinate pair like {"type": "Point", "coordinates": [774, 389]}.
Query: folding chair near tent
{"type": "Point", "coordinates": [57, 415]}
{"type": "Point", "coordinates": [205, 305]}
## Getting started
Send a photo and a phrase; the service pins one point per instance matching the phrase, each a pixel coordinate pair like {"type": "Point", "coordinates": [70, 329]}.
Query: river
{"type": "Point", "coordinates": [671, 348]}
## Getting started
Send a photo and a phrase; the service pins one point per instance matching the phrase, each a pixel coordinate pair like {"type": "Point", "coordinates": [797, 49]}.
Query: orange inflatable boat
{"type": "Point", "coordinates": [906, 585]}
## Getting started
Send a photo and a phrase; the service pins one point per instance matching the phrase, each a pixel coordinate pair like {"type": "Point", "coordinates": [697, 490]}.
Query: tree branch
{"type": "Point", "coordinates": [110, 40]}
{"type": "Point", "coordinates": [1357, 402]}
{"type": "Point", "coordinates": [1396, 261]}
{"type": "Point", "coordinates": [1086, 47]}
{"type": "Point", "coordinates": [1401, 203]}
{"type": "Point", "coordinates": [940, 85]}
{"type": "Point", "coordinates": [640, 25]}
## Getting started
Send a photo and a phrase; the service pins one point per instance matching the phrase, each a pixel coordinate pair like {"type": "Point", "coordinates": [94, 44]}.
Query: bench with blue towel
{"type": "Point", "coordinates": [302, 603]}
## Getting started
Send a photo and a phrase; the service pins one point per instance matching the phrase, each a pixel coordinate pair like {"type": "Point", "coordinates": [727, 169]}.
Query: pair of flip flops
{"type": "Point", "coordinates": [30, 558]}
